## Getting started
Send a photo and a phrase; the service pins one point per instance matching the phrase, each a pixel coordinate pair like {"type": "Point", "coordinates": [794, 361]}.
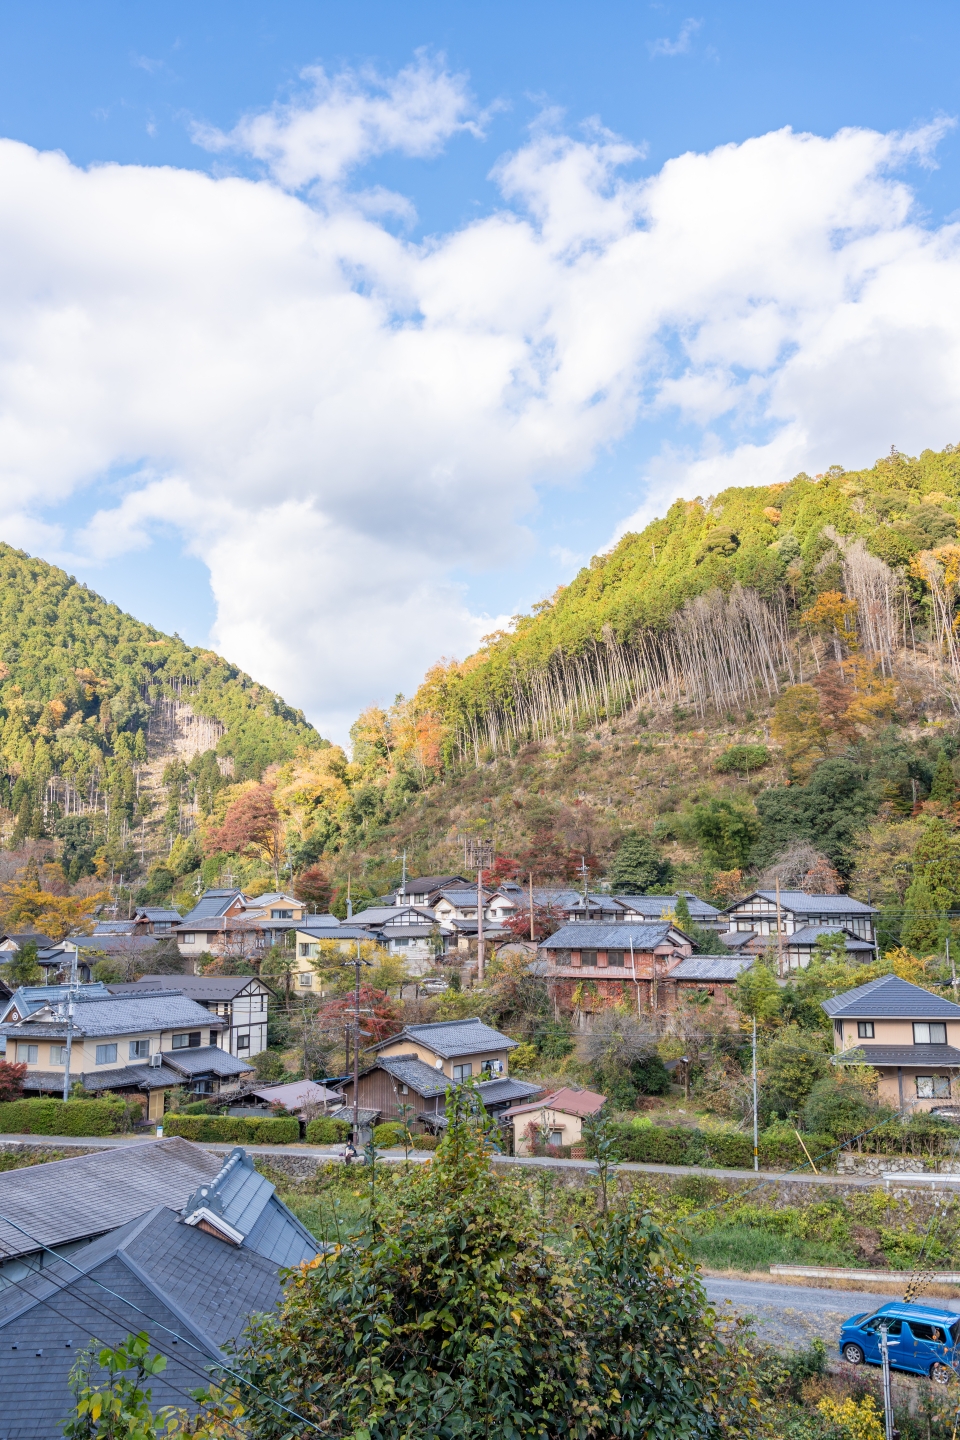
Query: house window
{"type": "Point", "coordinates": [556, 1137]}
{"type": "Point", "coordinates": [281, 914]}
{"type": "Point", "coordinates": [404, 1089]}
{"type": "Point", "coordinates": [615, 957]}
{"type": "Point", "coordinates": [187, 1040]}
{"type": "Point", "coordinates": [139, 1049]}
{"type": "Point", "coordinates": [243, 1042]}
{"type": "Point", "coordinates": [588, 957]}
{"type": "Point", "coordinates": [106, 1054]}
{"type": "Point", "coordinates": [933, 1087]}
{"type": "Point", "coordinates": [58, 1054]}
{"type": "Point", "coordinates": [30, 1053]}
{"type": "Point", "coordinates": [864, 1029]}
{"type": "Point", "coordinates": [462, 1072]}
{"type": "Point", "coordinates": [924, 1034]}
{"type": "Point", "coordinates": [305, 979]}
{"type": "Point", "coordinates": [492, 1067]}
{"type": "Point", "coordinates": [188, 939]}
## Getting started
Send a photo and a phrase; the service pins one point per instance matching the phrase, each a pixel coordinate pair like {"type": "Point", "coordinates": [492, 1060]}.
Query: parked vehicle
{"type": "Point", "coordinates": [921, 1338]}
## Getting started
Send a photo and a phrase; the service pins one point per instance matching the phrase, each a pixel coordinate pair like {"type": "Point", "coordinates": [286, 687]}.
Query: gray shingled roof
{"type": "Point", "coordinates": [711, 967]}
{"type": "Point", "coordinates": [410, 1070]}
{"type": "Point", "coordinates": [211, 906]}
{"type": "Point", "coordinates": [803, 904]}
{"type": "Point", "coordinates": [891, 998]}
{"type": "Point", "coordinates": [450, 1038]}
{"type": "Point", "coordinates": [505, 1091]}
{"type": "Point", "coordinates": [205, 1060]}
{"type": "Point", "coordinates": [589, 935]}
{"type": "Point", "coordinates": [249, 1204]}
{"type": "Point", "coordinates": [68, 1200]}
{"type": "Point", "coordinates": [921, 1057]}
{"type": "Point", "coordinates": [198, 1287]}
{"type": "Point", "coordinates": [122, 1015]}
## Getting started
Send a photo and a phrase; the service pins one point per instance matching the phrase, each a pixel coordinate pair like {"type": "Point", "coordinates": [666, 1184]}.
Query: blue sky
{"type": "Point", "coordinates": [716, 390]}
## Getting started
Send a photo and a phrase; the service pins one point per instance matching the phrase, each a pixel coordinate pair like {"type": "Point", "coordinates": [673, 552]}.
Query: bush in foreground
{"type": "Point", "coordinates": [68, 1117]}
{"type": "Point", "coordinates": [462, 1318]}
{"type": "Point", "coordinates": [246, 1128]}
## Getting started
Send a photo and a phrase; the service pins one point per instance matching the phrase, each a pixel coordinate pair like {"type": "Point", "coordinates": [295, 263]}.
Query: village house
{"type": "Point", "coordinates": [311, 942]}
{"type": "Point", "coordinates": [140, 1043]}
{"type": "Point", "coordinates": [910, 1036]}
{"type": "Point", "coordinates": [589, 966]}
{"type": "Point", "coordinates": [410, 932]}
{"type": "Point", "coordinates": [404, 1086]}
{"type": "Point", "coordinates": [425, 889]}
{"type": "Point", "coordinates": [713, 976]}
{"type": "Point", "coordinates": [753, 924]}
{"type": "Point", "coordinates": [461, 1049]}
{"type": "Point", "coordinates": [557, 1119]}
{"type": "Point", "coordinates": [240, 1001]}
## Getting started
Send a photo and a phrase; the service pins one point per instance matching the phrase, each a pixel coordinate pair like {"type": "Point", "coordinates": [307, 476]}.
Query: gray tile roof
{"type": "Point", "coordinates": [211, 906]}
{"type": "Point", "coordinates": [424, 884]}
{"type": "Point", "coordinates": [122, 1015]}
{"type": "Point", "coordinates": [647, 905]}
{"type": "Point", "coordinates": [115, 927]}
{"type": "Point", "coordinates": [891, 998]}
{"type": "Point", "coordinates": [188, 1282]}
{"type": "Point", "coordinates": [421, 1077]}
{"type": "Point", "coordinates": [115, 944]}
{"type": "Point", "coordinates": [157, 912]}
{"type": "Point", "coordinates": [810, 934]}
{"type": "Point", "coordinates": [205, 1060]}
{"type": "Point", "coordinates": [449, 1038]}
{"type": "Point", "coordinates": [507, 1091]}
{"type": "Point", "coordinates": [802, 904]}
{"type": "Point", "coordinates": [197, 987]}
{"type": "Point", "coordinates": [921, 1057]}
{"type": "Point", "coordinates": [711, 967]}
{"type": "Point", "coordinates": [249, 1204]}
{"type": "Point", "coordinates": [588, 935]}
{"type": "Point", "coordinates": [27, 999]}
{"type": "Point", "coordinates": [68, 1200]}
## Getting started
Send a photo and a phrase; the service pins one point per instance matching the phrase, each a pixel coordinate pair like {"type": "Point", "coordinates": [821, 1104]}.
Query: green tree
{"type": "Point", "coordinates": [120, 1408]}
{"type": "Point", "coordinates": [757, 995]}
{"type": "Point", "coordinates": [843, 1104]}
{"type": "Point", "coordinates": [943, 787]}
{"type": "Point", "coordinates": [935, 887]}
{"type": "Point", "coordinates": [638, 867]}
{"type": "Point", "coordinates": [796, 1059]}
{"type": "Point", "coordinates": [725, 833]}
{"type": "Point", "coordinates": [462, 1317]}
{"type": "Point", "coordinates": [23, 969]}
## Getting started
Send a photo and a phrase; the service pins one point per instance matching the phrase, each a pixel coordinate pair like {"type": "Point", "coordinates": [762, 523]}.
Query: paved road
{"type": "Point", "coordinates": [794, 1314]}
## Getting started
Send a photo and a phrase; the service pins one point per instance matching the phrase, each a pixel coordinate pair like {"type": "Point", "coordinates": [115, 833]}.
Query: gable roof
{"type": "Point", "coordinates": [450, 1038]}
{"type": "Point", "coordinates": [121, 1015]}
{"type": "Point", "coordinates": [211, 905]}
{"type": "Point", "coordinates": [810, 934]}
{"type": "Point", "coordinates": [711, 967]}
{"type": "Point", "coordinates": [589, 935]}
{"type": "Point", "coordinates": [157, 912]}
{"type": "Point", "coordinates": [803, 904]}
{"type": "Point", "coordinates": [424, 884]}
{"type": "Point", "coordinates": [567, 1101]}
{"type": "Point", "coordinates": [247, 1204]}
{"type": "Point", "coordinates": [891, 998]}
{"type": "Point", "coordinates": [427, 1081]}
{"type": "Point", "coordinates": [647, 905]}
{"type": "Point", "coordinates": [28, 998]}
{"type": "Point", "coordinates": [67, 1200]}
{"type": "Point", "coordinates": [197, 987]}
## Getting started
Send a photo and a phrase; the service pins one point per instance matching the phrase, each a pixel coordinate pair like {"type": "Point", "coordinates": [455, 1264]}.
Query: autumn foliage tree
{"type": "Point", "coordinates": [24, 905]}
{"type": "Point", "coordinates": [251, 824]}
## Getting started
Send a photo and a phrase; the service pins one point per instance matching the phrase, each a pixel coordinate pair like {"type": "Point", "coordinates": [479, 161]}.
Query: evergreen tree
{"type": "Point", "coordinates": [921, 923]}
{"type": "Point", "coordinates": [23, 968]}
{"type": "Point", "coordinates": [639, 867]}
{"type": "Point", "coordinates": [944, 787]}
{"type": "Point", "coordinates": [935, 887]}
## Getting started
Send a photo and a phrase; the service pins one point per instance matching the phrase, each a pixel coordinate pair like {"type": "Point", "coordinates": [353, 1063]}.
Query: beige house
{"type": "Point", "coordinates": [909, 1035]}
{"type": "Point", "coordinates": [145, 1043]}
{"type": "Point", "coordinates": [557, 1119]}
{"type": "Point", "coordinates": [461, 1049]}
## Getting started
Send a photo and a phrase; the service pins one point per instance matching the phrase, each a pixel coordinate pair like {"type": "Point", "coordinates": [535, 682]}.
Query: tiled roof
{"type": "Point", "coordinates": [205, 1060]}
{"type": "Point", "coordinates": [67, 1200]}
{"type": "Point", "coordinates": [28, 998]}
{"type": "Point", "coordinates": [810, 934]}
{"type": "Point", "coordinates": [116, 927]}
{"type": "Point", "coordinates": [211, 905]}
{"type": "Point", "coordinates": [121, 1015]}
{"type": "Point", "coordinates": [248, 1203]}
{"type": "Point", "coordinates": [507, 1090]}
{"type": "Point", "coordinates": [113, 944]}
{"type": "Point", "coordinates": [157, 912]}
{"type": "Point", "coordinates": [427, 883]}
{"type": "Point", "coordinates": [891, 998]}
{"type": "Point", "coordinates": [196, 987]}
{"type": "Point", "coordinates": [296, 1093]}
{"type": "Point", "coordinates": [803, 904]}
{"type": "Point", "coordinates": [711, 967]}
{"type": "Point", "coordinates": [450, 1038]}
{"type": "Point", "coordinates": [647, 905]}
{"type": "Point", "coordinates": [736, 939]}
{"type": "Point", "coordinates": [915, 1056]}
{"type": "Point", "coordinates": [588, 935]}
{"type": "Point", "coordinates": [412, 1071]}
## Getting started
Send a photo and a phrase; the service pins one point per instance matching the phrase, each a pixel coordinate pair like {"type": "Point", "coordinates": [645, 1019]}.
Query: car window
{"type": "Point", "coordinates": [893, 1326]}
{"type": "Point", "coordinates": [923, 1331]}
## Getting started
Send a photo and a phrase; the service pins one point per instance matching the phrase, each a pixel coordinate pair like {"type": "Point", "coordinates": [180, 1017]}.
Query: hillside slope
{"type": "Point", "coordinates": [94, 704]}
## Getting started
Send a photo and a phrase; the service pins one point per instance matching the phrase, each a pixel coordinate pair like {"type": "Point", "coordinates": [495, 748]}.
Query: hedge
{"type": "Point", "coordinates": [326, 1131]}
{"type": "Point", "coordinates": [426, 1142]}
{"type": "Point", "coordinates": [390, 1132]}
{"type": "Point", "coordinates": [67, 1117]}
{"type": "Point", "coordinates": [727, 1150]}
{"type": "Point", "coordinates": [243, 1128]}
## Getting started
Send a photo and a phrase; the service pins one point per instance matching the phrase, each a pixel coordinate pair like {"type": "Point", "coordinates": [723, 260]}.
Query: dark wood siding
{"type": "Point", "coordinates": [378, 1091]}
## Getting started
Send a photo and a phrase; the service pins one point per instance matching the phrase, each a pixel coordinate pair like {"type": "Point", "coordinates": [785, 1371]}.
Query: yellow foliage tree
{"type": "Point", "coordinates": [798, 727]}
{"type": "Point", "coordinates": [834, 616]}
{"type": "Point", "coordinates": [854, 1419]}
{"type": "Point", "coordinates": [25, 906]}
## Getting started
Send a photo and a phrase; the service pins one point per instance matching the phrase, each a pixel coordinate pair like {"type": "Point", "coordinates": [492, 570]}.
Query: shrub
{"type": "Point", "coordinates": [67, 1117]}
{"type": "Point", "coordinates": [326, 1131]}
{"type": "Point", "coordinates": [743, 758]}
{"type": "Point", "coordinates": [387, 1134]}
{"type": "Point", "coordinates": [247, 1128]}
{"type": "Point", "coordinates": [426, 1142]}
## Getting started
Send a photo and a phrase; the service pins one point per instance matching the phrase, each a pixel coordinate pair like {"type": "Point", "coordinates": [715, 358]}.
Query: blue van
{"type": "Point", "coordinates": [920, 1338]}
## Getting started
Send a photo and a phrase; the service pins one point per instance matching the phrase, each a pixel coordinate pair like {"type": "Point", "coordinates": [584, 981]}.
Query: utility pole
{"type": "Point", "coordinates": [583, 876]}
{"type": "Point", "coordinates": [349, 900]}
{"type": "Point", "coordinates": [70, 1002]}
{"type": "Point", "coordinates": [887, 1394]}
{"type": "Point", "coordinates": [357, 1032]}
{"type": "Point", "coordinates": [779, 935]}
{"type": "Point", "coordinates": [532, 936]}
{"type": "Point", "coordinates": [756, 1140]}
{"type": "Point", "coordinates": [953, 966]}
{"type": "Point", "coordinates": [480, 947]}
{"type": "Point", "coordinates": [403, 882]}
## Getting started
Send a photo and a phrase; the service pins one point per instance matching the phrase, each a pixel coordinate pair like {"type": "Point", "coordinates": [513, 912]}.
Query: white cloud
{"type": "Point", "coordinates": [337, 419]}
{"type": "Point", "coordinates": [680, 46]}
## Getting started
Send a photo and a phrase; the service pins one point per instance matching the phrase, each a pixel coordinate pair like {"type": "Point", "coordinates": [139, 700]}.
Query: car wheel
{"type": "Point", "coordinates": [942, 1374]}
{"type": "Point", "coordinates": [853, 1354]}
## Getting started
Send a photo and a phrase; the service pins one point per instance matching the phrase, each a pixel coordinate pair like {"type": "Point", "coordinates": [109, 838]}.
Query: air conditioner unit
{"type": "Point", "coordinates": [156, 1061]}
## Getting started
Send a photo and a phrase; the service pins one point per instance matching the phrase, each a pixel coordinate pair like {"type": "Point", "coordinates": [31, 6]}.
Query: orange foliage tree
{"type": "Point", "coordinates": [25, 906]}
